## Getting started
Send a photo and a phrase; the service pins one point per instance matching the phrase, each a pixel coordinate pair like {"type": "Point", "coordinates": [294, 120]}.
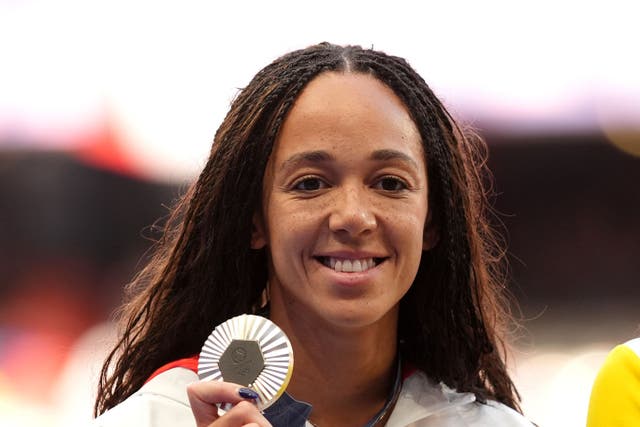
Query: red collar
{"type": "Point", "coordinates": [190, 363]}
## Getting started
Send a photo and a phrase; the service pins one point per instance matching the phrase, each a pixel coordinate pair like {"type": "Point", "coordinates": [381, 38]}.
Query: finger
{"type": "Point", "coordinates": [243, 414]}
{"type": "Point", "coordinates": [204, 412]}
{"type": "Point", "coordinates": [204, 395]}
{"type": "Point", "coordinates": [213, 392]}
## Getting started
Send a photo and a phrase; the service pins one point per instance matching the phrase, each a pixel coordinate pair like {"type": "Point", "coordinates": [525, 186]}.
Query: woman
{"type": "Point", "coordinates": [342, 200]}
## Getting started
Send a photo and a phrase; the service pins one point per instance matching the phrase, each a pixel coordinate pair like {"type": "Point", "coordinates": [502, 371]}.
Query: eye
{"type": "Point", "coordinates": [309, 183]}
{"type": "Point", "coordinates": [390, 183]}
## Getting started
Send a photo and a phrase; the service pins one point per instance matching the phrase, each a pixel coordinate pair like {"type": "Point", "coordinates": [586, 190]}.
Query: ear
{"type": "Point", "coordinates": [258, 234]}
{"type": "Point", "coordinates": [431, 235]}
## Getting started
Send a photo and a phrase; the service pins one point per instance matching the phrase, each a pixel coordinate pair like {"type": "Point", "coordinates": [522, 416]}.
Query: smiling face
{"type": "Point", "coordinates": [344, 204]}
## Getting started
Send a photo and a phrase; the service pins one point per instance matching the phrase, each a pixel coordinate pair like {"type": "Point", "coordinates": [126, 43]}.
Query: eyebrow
{"type": "Point", "coordinates": [320, 156]}
{"type": "Point", "coordinates": [389, 154]}
{"type": "Point", "coordinates": [317, 156]}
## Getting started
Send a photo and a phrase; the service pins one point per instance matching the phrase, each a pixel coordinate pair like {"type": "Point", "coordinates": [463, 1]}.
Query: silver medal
{"type": "Point", "coordinates": [251, 351]}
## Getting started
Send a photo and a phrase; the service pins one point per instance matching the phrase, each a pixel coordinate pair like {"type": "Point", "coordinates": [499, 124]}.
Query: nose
{"type": "Point", "coordinates": [352, 212]}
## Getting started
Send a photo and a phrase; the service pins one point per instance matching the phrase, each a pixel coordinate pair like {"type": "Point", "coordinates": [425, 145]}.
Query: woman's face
{"type": "Point", "coordinates": [344, 204]}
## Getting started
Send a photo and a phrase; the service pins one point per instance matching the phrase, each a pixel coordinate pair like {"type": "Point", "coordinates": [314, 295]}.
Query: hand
{"type": "Point", "coordinates": [204, 395]}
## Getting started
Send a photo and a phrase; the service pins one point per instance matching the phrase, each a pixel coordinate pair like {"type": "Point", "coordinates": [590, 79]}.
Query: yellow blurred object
{"type": "Point", "coordinates": [626, 140]}
{"type": "Point", "coordinates": [615, 397]}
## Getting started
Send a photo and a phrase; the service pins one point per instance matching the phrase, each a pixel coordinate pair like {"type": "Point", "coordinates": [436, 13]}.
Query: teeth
{"type": "Point", "coordinates": [349, 265]}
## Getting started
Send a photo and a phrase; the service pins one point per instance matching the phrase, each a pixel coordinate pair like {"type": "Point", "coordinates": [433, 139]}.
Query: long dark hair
{"type": "Point", "coordinates": [453, 319]}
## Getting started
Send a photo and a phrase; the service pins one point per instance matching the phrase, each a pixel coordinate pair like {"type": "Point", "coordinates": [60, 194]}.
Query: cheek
{"type": "Point", "coordinates": [407, 222]}
{"type": "Point", "coordinates": [406, 229]}
{"type": "Point", "coordinates": [290, 227]}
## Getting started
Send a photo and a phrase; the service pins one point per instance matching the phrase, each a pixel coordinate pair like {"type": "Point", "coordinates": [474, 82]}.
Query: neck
{"type": "Point", "coordinates": [346, 374]}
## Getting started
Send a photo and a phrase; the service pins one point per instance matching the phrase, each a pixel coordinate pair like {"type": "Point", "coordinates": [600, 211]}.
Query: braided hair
{"type": "Point", "coordinates": [452, 320]}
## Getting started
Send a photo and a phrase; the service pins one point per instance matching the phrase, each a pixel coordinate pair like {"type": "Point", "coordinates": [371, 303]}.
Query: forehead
{"type": "Point", "coordinates": [364, 89]}
{"type": "Point", "coordinates": [346, 110]}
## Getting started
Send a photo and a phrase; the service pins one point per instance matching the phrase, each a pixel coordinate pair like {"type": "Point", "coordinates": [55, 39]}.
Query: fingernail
{"type": "Point", "coordinates": [247, 393]}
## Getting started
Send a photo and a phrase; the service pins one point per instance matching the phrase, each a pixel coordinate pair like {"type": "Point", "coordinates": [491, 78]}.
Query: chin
{"type": "Point", "coordinates": [359, 317]}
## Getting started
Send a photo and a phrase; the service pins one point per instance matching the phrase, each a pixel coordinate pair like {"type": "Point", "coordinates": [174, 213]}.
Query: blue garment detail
{"type": "Point", "coordinates": [287, 412]}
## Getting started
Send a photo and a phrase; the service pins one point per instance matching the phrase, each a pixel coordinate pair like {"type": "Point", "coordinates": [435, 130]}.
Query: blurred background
{"type": "Point", "coordinates": [107, 111]}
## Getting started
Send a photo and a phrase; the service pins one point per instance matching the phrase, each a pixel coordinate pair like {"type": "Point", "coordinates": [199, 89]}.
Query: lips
{"type": "Point", "coordinates": [345, 265]}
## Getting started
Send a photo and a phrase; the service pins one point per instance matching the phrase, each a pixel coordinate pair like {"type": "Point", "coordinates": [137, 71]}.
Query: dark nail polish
{"type": "Point", "coordinates": [247, 393]}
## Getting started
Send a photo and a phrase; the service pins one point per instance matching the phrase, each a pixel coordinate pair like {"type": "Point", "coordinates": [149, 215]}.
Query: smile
{"type": "Point", "coordinates": [350, 265]}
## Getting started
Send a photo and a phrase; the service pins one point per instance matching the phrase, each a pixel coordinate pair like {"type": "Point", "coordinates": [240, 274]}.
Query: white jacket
{"type": "Point", "coordinates": [163, 402]}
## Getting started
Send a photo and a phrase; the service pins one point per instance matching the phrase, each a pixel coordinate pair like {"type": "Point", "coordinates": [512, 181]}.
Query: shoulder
{"type": "Point", "coordinates": [423, 403]}
{"type": "Point", "coordinates": [624, 352]}
{"type": "Point", "coordinates": [634, 345]}
{"type": "Point", "coordinates": [614, 396]}
{"type": "Point", "coordinates": [621, 366]}
{"type": "Point", "coordinates": [162, 401]}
